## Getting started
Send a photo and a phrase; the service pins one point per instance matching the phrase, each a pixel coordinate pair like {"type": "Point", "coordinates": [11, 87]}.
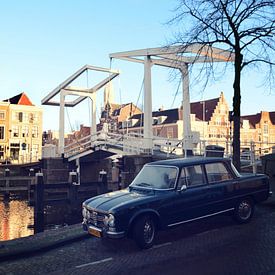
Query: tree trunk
{"type": "Point", "coordinates": [237, 110]}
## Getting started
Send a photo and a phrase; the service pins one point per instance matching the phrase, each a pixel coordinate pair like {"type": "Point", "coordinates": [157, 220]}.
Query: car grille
{"type": "Point", "coordinates": [96, 218]}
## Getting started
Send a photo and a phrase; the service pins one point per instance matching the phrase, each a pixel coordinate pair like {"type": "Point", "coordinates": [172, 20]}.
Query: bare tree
{"type": "Point", "coordinates": [245, 27]}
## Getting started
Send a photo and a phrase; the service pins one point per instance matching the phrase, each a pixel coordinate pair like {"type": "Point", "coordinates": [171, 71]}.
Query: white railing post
{"type": "Point", "coordinates": [252, 157]}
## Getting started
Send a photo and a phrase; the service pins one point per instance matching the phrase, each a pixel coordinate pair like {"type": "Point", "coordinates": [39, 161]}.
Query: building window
{"type": "Point", "coordinates": [2, 132]}
{"type": "Point", "coordinates": [17, 116]}
{"type": "Point", "coordinates": [33, 117]}
{"type": "Point", "coordinates": [259, 138]}
{"type": "Point", "coordinates": [25, 117]}
{"type": "Point", "coordinates": [1, 152]}
{"type": "Point", "coordinates": [35, 148]}
{"type": "Point", "coordinates": [218, 121]}
{"type": "Point", "coordinates": [14, 151]}
{"type": "Point", "coordinates": [25, 131]}
{"type": "Point", "coordinates": [170, 133]}
{"type": "Point", "coordinates": [2, 115]}
{"type": "Point", "coordinates": [34, 131]}
{"type": "Point", "coordinates": [265, 129]}
{"type": "Point", "coordinates": [15, 131]}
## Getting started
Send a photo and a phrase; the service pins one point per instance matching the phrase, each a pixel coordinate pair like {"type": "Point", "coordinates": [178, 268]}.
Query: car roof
{"type": "Point", "coordinates": [181, 162]}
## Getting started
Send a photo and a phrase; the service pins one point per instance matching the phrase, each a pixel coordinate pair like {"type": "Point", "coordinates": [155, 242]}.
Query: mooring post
{"type": "Point", "coordinates": [73, 189]}
{"type": "Point", "coordinates": [7, 172]}
{"type": "Point", "coordinates": [31, 172]}
{"type": "Point", "coordinates": [7, 184]}
{"type": "Point", "coordinates": [103, 185]}
{"type": "Point", "coordinates": [39, 203]}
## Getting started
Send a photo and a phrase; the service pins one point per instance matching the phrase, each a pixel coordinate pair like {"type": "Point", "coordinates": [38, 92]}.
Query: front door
{"type": "Point", "coordinates": [192, 202]}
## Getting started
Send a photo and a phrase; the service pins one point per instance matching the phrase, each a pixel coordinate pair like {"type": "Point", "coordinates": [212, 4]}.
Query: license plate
{"type": "Point", "coordinates": [95, 232]}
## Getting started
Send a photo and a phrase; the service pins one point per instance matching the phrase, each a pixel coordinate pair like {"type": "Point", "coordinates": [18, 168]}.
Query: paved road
{"type": "Point", "coordinates": [214, 246]}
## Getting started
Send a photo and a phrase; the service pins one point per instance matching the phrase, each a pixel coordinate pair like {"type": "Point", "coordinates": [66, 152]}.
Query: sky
{"type": "Point", "coordinates": [44, 42]}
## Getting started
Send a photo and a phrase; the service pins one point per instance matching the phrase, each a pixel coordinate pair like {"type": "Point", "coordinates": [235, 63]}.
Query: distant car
{"type": "Point", "coordinates": [173, 192]}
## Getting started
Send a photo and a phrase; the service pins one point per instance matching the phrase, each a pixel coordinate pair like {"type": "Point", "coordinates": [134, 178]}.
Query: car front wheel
{"type": "Point", "coordinates": [144, 232]}
{"type": "Point", "coordinates": [244, 210]}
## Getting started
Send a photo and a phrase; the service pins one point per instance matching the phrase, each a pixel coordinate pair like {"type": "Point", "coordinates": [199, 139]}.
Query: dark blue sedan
{"type": "Point", "coordinates": [172, 192]}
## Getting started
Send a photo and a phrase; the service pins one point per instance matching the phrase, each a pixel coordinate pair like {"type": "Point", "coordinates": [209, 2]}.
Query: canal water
{"type": "Point", "coordinates": [17, 218]}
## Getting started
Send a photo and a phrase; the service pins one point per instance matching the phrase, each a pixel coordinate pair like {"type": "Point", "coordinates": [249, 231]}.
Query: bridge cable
{"type": "Point", "coordinates": [72, 130]}
{"type": "Point", "coordinates": [177, 91]}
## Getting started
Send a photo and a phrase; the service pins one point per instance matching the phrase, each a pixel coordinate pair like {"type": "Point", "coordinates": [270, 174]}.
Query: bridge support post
{"type": "Point", "coordinates": [147, 128]}
{"type": "Point", "coordinates": [61, 123]}
{"type": "Point", "coordinates": [187, 134]}
{"type": "Point", "coordinates": [39, 203]}
{"type": "Point", "coordinates": [93, 116]}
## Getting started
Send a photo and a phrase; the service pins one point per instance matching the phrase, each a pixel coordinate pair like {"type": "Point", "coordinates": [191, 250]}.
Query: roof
{"type": "Point", "coordinates": [172, 116]}
{"type": "Point", "coordinates": [204, 109]}
{"type": "Point", "coordinates": [253, 119]}
{"type": "Point", "coordinates": [272, 117]}
{"type": "Point", "coordinates": [20, 99]}
{"type": "Point", "coordinates": [180, 162]}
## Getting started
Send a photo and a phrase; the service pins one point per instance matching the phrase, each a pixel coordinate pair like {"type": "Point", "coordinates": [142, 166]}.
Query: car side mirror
{"type": "Point", "coordinates": [183, 187]}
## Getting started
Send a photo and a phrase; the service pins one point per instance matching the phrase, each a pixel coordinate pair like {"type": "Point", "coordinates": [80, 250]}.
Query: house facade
{"type": "Point", "coordinates": [210, 124]}
{"type": "Point", "coordinates": [261, 130]}
{"type": "Point", "coordinates": [21, 136]}
{"type": "Point", "coordinates": [4, 130]}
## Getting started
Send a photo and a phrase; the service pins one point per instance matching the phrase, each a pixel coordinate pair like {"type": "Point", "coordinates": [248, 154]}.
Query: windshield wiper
{"type": "Point", "coordinates": [143, 184]}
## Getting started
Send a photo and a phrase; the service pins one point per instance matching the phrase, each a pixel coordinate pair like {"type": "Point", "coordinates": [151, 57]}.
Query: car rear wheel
{"type": "Point", "coordinates": [144, 232]}
{"type": "Point", "coordinates": [244, 210]}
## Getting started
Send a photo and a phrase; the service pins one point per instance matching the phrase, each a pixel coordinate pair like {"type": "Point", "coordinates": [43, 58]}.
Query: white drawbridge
{"type": "Point", "coordinates": [177, 57]}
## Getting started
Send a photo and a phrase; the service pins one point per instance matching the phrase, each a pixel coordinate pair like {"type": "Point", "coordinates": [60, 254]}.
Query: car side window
{"type": "Point", "coordinates": [217, 172]}
{"type": "Point", "coordinates": [194, 175]}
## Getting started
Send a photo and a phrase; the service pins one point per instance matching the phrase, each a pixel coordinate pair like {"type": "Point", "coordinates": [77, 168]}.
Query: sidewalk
{"type": "Point", "coordinates": [41, 241]}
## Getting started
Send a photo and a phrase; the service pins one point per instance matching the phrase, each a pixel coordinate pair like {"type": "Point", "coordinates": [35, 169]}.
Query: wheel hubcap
{"type": "Point", "coordinates": [244, 210]}
{"type": "Point", "coordinates": [148, 232]}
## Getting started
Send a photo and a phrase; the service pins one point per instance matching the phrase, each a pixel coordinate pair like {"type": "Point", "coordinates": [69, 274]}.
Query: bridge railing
{"type": "Point", "coordinates": [135, 143]}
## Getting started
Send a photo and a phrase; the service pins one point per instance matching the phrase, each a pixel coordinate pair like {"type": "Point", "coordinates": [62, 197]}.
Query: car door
{"type": "Point", "coordinates": [221, 186]}
{"type": "Point", "coordinates": [190, 203]}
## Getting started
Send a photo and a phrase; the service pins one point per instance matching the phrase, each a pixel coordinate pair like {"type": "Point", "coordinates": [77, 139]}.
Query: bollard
{"type": "Point", "coordinates": [31, 172]}
{"type": "Point", "coordinates": [7, 172]}
{"type": "Point", "coordinates": [39, 203]}
{"type": "Point", "coordinates": [73, 190]}
{"type": "Point", "coordinates": [103, 186]}
{"type": "Point", "coordinates": [73, 178]}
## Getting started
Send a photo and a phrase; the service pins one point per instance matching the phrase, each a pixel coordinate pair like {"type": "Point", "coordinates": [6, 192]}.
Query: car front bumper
{"type": "Point", "coordinates": [98, 232]}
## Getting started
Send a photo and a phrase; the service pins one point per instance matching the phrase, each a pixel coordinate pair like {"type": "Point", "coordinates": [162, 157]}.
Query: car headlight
{"type": "Point", "coordinates": [109, 220]}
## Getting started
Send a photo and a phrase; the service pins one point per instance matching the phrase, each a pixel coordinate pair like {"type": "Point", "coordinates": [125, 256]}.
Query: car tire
{"type": "Point", "coordinates": [244, 210]}
{"type": "Point", "coordinates": [144, 232]}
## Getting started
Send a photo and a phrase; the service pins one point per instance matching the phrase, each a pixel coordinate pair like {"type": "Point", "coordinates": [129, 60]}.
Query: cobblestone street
{"type": "Point", "coordinates": [214, 246]}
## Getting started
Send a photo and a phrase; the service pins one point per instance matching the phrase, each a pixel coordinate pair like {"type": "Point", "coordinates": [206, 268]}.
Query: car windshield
{"type": "Point", "coordinates": [156, 177]}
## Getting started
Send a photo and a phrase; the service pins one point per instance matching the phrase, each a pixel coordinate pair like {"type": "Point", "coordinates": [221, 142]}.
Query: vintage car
{"type": "Point", "coordinates": [172, 192]}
